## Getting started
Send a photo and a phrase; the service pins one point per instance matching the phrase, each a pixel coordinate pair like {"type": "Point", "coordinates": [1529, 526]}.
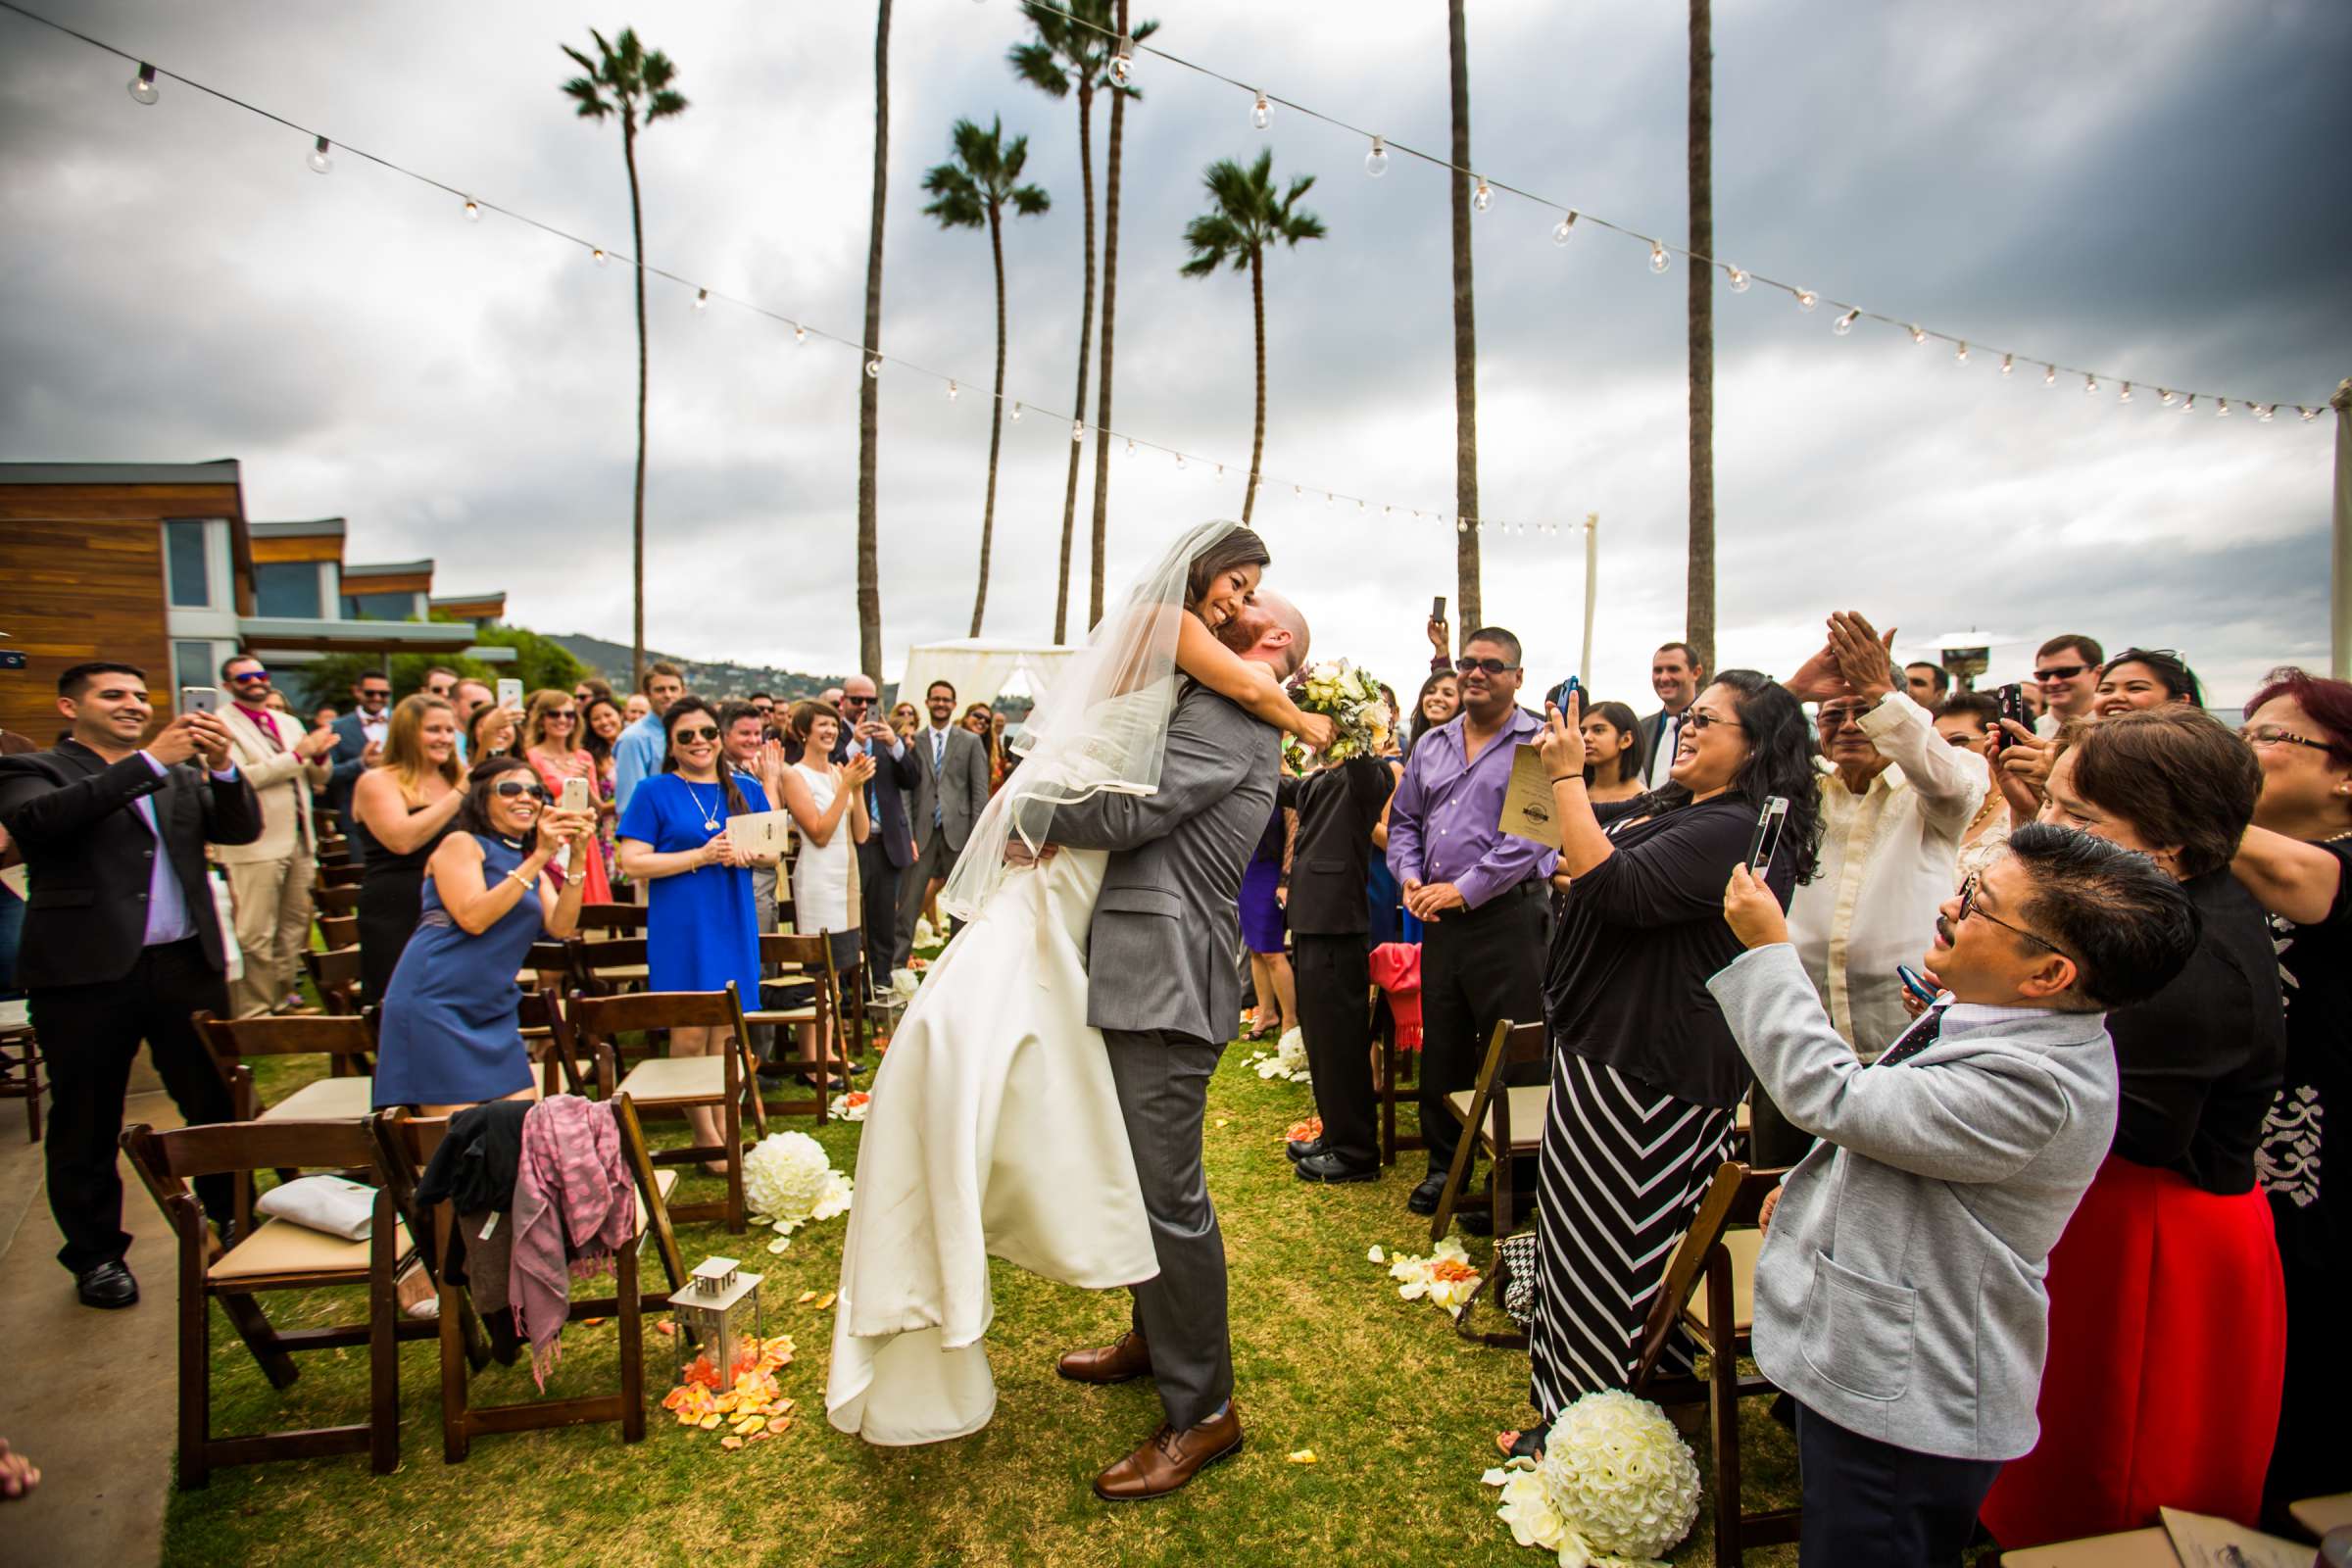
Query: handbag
{"type": "Point", "coordinates": [1512, 1280]}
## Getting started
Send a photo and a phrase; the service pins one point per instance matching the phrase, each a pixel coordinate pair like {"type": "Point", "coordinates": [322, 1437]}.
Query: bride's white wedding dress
{"type": "Point", "coordinates": [994, 1130]}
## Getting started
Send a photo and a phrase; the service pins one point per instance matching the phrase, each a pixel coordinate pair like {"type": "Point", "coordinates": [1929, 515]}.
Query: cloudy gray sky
{"type": "Point", "coordinates": [2151, 187]}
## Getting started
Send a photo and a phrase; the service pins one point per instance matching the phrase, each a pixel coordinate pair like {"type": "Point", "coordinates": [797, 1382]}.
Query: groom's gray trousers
{"type": "Point", "coordinates": [1162, 1079]}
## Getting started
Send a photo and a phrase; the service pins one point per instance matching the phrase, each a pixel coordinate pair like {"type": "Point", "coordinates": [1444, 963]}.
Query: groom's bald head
{"type": "Point", "coordinates": [1269, 629]}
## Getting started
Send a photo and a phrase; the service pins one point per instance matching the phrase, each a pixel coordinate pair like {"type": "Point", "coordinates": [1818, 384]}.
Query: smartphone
{"type": "Point", "coordinates": [1768, 835]}
{"type": "Point", "coordinates": [1559, 695]}
{"type": "Point", "coordinates": [1436, 607]}
{"type": "Point", "coordinates": [509, 692]}
{"type": "Point", "coordinates": [2010, 700]}
{"type": "Point", "coordinates": [574, 796]}
{"type": "Point", "coordinates": [1915, 983]}
{"type": "Point", "coordinates": [200, 698]}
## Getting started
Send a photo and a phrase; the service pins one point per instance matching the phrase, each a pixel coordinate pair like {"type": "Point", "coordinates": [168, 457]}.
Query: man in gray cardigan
{"type": "Point", "coordinates": [1900, 1292]}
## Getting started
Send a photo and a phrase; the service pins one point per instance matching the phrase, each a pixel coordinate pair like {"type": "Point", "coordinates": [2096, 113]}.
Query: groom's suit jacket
{"type": "Point", "coordinates": [1165, 927]}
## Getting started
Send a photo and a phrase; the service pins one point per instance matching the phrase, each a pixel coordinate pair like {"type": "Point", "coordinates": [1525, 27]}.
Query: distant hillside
{"type": "Point", "coordinates": [703, 679]}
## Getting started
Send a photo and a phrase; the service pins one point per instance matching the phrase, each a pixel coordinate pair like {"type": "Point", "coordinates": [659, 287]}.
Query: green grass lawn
{"type": "Point", "coordinates": [1400, 1411]}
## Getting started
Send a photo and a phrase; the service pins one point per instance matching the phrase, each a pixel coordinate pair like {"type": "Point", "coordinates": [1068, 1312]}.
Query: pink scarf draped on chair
{"type": "Point", "coordinates": [575, 1208]}
{"type": "Point", "coordinates": [1397, 970]}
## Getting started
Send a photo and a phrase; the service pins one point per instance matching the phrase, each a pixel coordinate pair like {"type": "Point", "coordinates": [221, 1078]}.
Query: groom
{"type": "Point", "coordinates": [1165, 996]}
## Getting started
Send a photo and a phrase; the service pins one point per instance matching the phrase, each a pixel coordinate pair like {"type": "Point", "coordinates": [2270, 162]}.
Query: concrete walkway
{"type": "Point", "coordinates": [90, 1397]}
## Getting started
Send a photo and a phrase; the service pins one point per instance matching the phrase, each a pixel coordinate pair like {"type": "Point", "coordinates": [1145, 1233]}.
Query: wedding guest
{"type": "Point", "coordinates": [450, 1033]}
{"type": "Point", "coordinates": [904, 720]}
{"type": "Point", "coordinates": [636, 706]}
{"type": "Point", "coordinates": [358, 746]}
{"type": "Point", "coordinates": [2144, 678]}
{"type": "Point", "coordinates": [2066, 673]}
{"type": "Point", "coordinates": [981, 721]}
{"type": "Point", "coordinates": [642, 748]}
{"type": "Point", "coordinates": [701, 931]}
{"type": "Point", "coordinates": [603, 723]}
{"type": "Point", "coordinates": [491, 731]}
{"type": "Point", "coordinates": [951, 790]}
{"type": "Point", "coordinates": [552, 745]}
{"type": "Point", "coordinates": [1477, 890]}
{"type": "Point", "coordinates": [827, 803]}
{"type": "Point", "coordinates": [2170, 1268]}
{"type": "Point", "coordinates": [135, 955]}
{"type": "Point", "coordinates": [1927, 683]}
{"type": "Point", "coordinates": [401, 811]}
{"type": "Point", "coordinates": [1612, 755]}
{"type": "Point", "coordinates": [1646, 1076]}
{"type": "Point", "coordinates": [885, 853]}
{"type": "Point", "coordinates": [1676, 675]}
{"type": "Point", "coordinates": [442, 682]}
{"type": "Point", "coordinates": [1336, 807]}
{"type": "Point", "coordinates": [2293, 859]}
{"type": "Point", "coordinates": [323, 716]}
{"type": "Point", "coordinates": [590, 689]}
{"type": "Point", "coordinates": [1438, 702]}
{"type": "Point", "coordinates": [1899, 1294]}
{"type": "Point", "coordinates": [1969, 721]}
{"type": "Point", "coordinates": [270, 878]}
{"type": "Point", "coordinates": [1262, 931]}
{"type": "Point", "coordinates": [469, 696]}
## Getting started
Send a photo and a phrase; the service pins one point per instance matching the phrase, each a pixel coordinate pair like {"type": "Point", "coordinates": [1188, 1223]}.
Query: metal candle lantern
{"type": "Point", "coordinates": [717, 1314]}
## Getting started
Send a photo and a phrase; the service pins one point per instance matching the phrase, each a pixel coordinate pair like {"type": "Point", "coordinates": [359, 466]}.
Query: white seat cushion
{"type": "Point", "coordinates": [1743, 1245]}
{"type": "Point", "coordinates": [670, 1080]}
{"type": "Point", "coordinates": [280, 1247]}
{"type": "Point", "coordinates": [1529, 1102]}
{"type": "Point", "coordinates": [327, 1099]}
{"type": "Point", "coordinates": [780, 1015]}
{"type": "Point", "coordinates": [2134, 1549]}
{"type": "Point", "coordinates": [665, 1178]}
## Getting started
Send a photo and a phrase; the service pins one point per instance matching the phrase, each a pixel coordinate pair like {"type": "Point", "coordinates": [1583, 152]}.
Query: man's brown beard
{"type": "Point", "coordinates": [1233, 636]}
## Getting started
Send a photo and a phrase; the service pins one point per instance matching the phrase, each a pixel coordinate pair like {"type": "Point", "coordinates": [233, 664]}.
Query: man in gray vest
{"type": "Point", "coordinates": [1167, 992]}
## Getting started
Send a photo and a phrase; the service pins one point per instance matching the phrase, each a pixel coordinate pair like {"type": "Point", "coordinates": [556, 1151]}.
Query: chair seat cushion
{"type": "Point", "coordinates": [668, 1080]}
{"type": "Point", "coordinates": [327, 1099]}
{"type": "Point", "coordinates": [781, 1015]}
{"type": "Point", "coordinates": [2132, 1548]}
{"type": "Point", "coordinates": [280, 1247]}
{"type": "Point", "coordinates": [1529, 1102]}
{"type": "Point", "coordinates": [621, 971]}
{"type": "Point", "coordinates": [1743, 1245]}
{"type": "Point", "coordinates": [665, 1178]}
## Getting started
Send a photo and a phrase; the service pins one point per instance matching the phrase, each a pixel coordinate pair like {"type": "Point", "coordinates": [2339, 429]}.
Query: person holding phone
{"type": "Point", "coordinates": [1646, 1076]}
{"type": "Point", "coordinates": [401, 809]}
{"type": "Point", "coordinates": [551, 744]}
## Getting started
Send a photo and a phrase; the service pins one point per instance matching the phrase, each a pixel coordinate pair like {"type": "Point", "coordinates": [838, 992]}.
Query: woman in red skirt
{"type": "Point", "coordinates": [2168, 1310]}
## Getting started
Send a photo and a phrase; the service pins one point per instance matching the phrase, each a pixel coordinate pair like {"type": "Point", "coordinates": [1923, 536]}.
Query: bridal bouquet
{"type": "Point", "coordinates": [788, 1180]}
{"type": "Point", "coordinates": [1350, 699]}
{"type": "Point", "coordinates": [1616, 1484]}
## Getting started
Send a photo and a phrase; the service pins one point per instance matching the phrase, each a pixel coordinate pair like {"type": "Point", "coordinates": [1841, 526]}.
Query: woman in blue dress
{"type": "Point", "coordinates": [449, 1035]}
{"type": "Point", "coordinates": [702, 926]}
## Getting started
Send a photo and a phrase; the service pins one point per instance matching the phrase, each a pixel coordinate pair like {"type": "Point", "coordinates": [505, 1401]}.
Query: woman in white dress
{"type": "Point", "coordinates": [994, 1127]}
{"type": "Point", "coordinates": [827, 803]}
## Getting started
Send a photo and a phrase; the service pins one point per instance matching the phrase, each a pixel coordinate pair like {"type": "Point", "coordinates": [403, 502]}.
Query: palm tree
{"type": "Point", "coordinates": [634, 81]}
{"type": "Point", "coordinates": [1111, 299]}
{"type": "Point", "coordinates": [1465, 336]}
{"type": "Point", "coordinates": [1245, 217]}
{"type": "Point", "coordinates": [1072, 50]}
{"type": "Point", "coordinates": [1698, 615]}
{"type": "Point", "coordinates": [972, 192]}
{"type": "Point", "coordinates": [869, 552]}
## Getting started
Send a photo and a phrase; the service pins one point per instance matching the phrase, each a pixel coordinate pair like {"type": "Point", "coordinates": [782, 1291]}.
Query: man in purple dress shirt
{"type": "Point", "coordinates": [122, 939]}
{"type": "Point", "coordinates": [1479, 891]}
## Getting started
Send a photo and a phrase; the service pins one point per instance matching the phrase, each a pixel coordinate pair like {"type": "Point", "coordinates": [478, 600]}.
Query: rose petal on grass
{"type": "Point", "coordinates": [1376, 1256]}
{"type": "Point", "coordinates": [1301, 1457]}
{"type": "Point", "coordinates": [730, 1443]}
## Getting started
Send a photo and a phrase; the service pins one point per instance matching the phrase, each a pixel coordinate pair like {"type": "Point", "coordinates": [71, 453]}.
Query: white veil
{"type": "Point", "coordinates": [1102, 725]}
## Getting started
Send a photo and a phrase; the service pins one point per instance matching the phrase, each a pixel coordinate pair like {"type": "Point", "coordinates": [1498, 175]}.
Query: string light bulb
{"type": "Point", "coordinates": [1806, 299]}
{"type": "Point", "coordinates": [1919, 335]}
{"type": "Point", "coordinates": [1737, 277]}
{"type": "Point", "coordinates": [2049, 375]}
{"type": "Point", "coordinates": [2265, 411]}
{"type": "Point", "coordinates": [1845, 323]}
{"type": "Point", "coordinates": [702, 299]}
{"type": "Point", "coordinates": [2188, 405]}
{"type": "Point", "coordinates": [1262, 115]}
{"type": "Point", "coordinates": [2306, 414]}
{"type": "Point", "coordinates": [1376, 162]}
{"type": "Point", "coordinates": [1459, 527]}
{"type": "Point", "coordinates": [2167, 396]}
{"type": "Point", "coordinates": [873, 368]}
{"type": "Point", "coordinates": [2221, 409]}
{"type": "Point", "coordinates": [1659, 259]}
{"type": "Point", "coordinates": [1122, 61]}
{"type": "Point", "coordinates": [1131, 446]}
{"type": "Point", "coordinates": [2008, 362]}
{"type": "Point", "coordinates": [1180, 460]}
{"type": "Point", "coordinates": [142, 86]}
{"type": "Point", "coordinates": [1077, 430]}
{"type": "Point", "coordinates": [1016, 413]}
{"type": "Point", "coordinates": [1220, 475]}
{"type": "Point", "coordinates": [953, 391]}
{"type": "Point", "coordinates": [800, 333]}
{"type": "Point", "coordinates": [1483, 197]}
{"type": "Point", "coordinates": [2091, 386]}
{"type": "Point", "coordinates": [1565, 228]}
{"type": "Point", "coordinates": [1960, 354]}
{"type": "Point", "coordinates": [597, 255]}
{"type": "Point", "coordinates": [473, 211]}
{"type": "Point", "coordinates": [319, 160]}
{"type": "Point", "coordinates": [2125, 396]}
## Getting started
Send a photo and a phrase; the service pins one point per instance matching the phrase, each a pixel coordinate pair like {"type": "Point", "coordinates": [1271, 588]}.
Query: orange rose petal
{"type": "Point", "coordinates": [730, 1443]}
{"type": "Point", "coordinates": [824, 1301]}
{"type": "Point", "coordinates": [708, 1423]}
{"type": "Point", "coordinates": [781, 1423]}
{"type": "Point", "coordinates": [666, 1326]}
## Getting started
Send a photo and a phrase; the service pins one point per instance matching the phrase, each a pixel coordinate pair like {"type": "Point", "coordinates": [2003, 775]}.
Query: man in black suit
{"type": "Point", "coordinates": [122, 938]}
{"type": "Point", "coordinates": [890, 850]}
{"type": "Point", "coordinates": [1328, 913]}
{"type": "Point", "coordinates": [358, 742]}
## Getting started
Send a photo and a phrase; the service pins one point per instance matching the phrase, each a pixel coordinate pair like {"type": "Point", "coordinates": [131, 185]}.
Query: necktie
{"type": "Point", "coordinates": [1914, 1040]}
{"type": "Point", "coordinates": [874, 807]}
{"type": "Point", "coordinates": [939, 755]}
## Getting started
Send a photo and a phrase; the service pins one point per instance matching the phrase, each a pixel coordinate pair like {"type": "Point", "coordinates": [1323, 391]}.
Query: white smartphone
{"type": "Point", "coordinates": [200, 698]}
{"type": "Point", "coordinates": [1768, 835]}
{"type": "Point", "coordinates": [574, 796]}
{"type": "Point", "coordinates": [509, 692]}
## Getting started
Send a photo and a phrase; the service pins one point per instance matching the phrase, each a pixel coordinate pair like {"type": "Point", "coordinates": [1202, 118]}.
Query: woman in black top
{"type": "Point", "coordinates": [1644, 1073]}
{"type": "Point", "coordinates": [401, 809]}
{"type": "Point", "coordinates": [2168, 1314]}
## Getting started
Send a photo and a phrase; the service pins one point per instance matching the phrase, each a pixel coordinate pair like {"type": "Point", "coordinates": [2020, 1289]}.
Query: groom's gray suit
{"type": "Point", "coordinates": [1166, 994]}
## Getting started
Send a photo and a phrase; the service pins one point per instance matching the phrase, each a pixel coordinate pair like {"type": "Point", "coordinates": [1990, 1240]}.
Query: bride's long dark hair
{"type": "Point", "coordinates": [1240, 548]}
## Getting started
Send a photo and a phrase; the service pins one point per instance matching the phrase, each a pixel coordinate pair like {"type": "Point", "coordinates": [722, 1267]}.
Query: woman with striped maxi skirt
{"type": "Point", "coordinates": [1644, 1073]}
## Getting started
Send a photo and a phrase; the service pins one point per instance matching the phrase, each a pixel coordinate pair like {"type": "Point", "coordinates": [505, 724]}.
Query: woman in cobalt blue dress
{"type": "Point", "coordinates": [448, 1036]}
{"type": "Point", "coordinates": [702, 924]}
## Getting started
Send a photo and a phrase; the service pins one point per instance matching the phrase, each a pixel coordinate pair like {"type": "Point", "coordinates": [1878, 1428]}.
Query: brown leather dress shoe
{"type": "Point", "coordinates": [1171, 1458]}
{"type": "Point", "coordinates": [1130, 1358]}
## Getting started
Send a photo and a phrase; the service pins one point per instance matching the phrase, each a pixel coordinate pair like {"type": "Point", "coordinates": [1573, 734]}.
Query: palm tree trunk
{"type": "Point", "coordinates": [1257, 437]}
{"type": "Point", "coordinates": [1110, 296]}
{"type": "Point", "coordinates": [869, 563]}
{"type": "Point", "coordinates": [628, 151]}
{"type": "Point", "coordinates": [1698, 618]}
{"type": "Point", "coordinates": [995, 425]}
{"type": "Point", "coordinates": [1465, 335]}
{"type": "Point", "coordinates": [1086, 348]}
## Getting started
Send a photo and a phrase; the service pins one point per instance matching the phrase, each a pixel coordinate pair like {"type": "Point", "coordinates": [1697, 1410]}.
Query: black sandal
{"type": "Point", "coordinates": [1529, 1444]}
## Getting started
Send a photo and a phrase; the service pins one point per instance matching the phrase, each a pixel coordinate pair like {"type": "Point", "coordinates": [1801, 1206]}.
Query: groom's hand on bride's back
{"type": "Point", "coordinates": [1018, 852]}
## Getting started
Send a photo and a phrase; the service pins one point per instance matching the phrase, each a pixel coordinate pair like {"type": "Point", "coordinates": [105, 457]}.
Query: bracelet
{"type": "Point", "coordinates": [1565, 777]}
{"type": "Point", "coordinates": [516, 877]}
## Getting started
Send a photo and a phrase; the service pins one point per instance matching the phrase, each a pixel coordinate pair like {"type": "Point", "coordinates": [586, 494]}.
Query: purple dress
{"type": "Point", "coordinates": [1261, 912]}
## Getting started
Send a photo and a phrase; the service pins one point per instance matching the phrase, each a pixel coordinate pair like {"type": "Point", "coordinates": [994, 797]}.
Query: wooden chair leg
{"type": "Point", "coordinates": [1465, 1160]}
{"type": "Point", "coordinates": [455, 1365]}
{"type": "Point", "coordinates": [383, 1350]}
{"type": "Point", "coordinates": [1723, 1407]}
{"type": "Point", "coordinates": [736, 1221]}
{"type": "Point", "coordinates": [632, 1346]}
{"type": "Point", "coordinates": [1506, 1208]}
{"type": "Point", "coordinates": [253, 1326]}
{"type": "Point", "coordinates": [195, 1356]}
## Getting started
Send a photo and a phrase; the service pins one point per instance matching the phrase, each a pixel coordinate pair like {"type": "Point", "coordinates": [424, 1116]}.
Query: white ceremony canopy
{"type": "Point", "coordinates": [982, 670]}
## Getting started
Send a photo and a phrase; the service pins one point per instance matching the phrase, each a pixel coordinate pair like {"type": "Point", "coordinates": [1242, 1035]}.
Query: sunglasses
{"type": "Point", "coordinates": [2060, 673]}
{"type": "Point", "coordinates": [515, 789]}
{"type": "Point", "coordinates": [1492, 666]}
{"type": "Point", "coordinates": [1702, 722]}
{"type": "Point", "coordinates": [705, 732]}
{"type": "Point", "coordinates": [1838, 717]}
{"type": "Point", "coordinates": [857, 702]}
{"type": "Point", "coordinates": [1969, 906]}
{"type": "Point", "coordinates": [566, 714]}
{"type": "Point", "coordinates": [249, 675]}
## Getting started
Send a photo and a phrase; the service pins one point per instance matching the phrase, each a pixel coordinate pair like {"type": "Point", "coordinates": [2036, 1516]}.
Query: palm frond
{"type": "Point", "coordinates": [1040, 67]}
{"type": "Point", "coordinates": [1030, 200]}
{"type": "Point", "coordinates": [665, 105]}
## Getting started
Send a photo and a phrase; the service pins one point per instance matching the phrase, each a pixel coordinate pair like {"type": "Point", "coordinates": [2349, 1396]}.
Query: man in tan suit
{"type": "Point", "coordinates": [270, 878]}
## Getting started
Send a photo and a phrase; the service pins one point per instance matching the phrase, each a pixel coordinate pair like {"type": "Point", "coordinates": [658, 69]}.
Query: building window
{"type": "Point", "coordinates": [287, 589]}
{"type": "Point", "coordinates": [184, 558]}
{"type": "Point", "coordinates": [378, 607]}
{"type": "Point", "coordinates": [192, 665]}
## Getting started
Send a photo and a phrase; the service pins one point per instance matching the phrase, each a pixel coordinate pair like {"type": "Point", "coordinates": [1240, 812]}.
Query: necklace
{"type": "Point", "coordinates": [710, 812]}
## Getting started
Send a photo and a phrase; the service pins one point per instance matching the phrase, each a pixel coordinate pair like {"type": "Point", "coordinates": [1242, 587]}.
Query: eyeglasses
{"type": "Point", "coordinates": [1838, 717]}
{"type": "Point", "coordinates": [1493, 666]}
{"type": "Point", "coordinates": [2273, 735]}
{"type": "Point", "coordinates": [706, 732]}
{"type": "Point", "coordinates": [1969, 906]}
{"type": "Point", "coordinates": [515, 789]}
{"type": "Point", "coordinates": [1702, 722]}
{"type": "Point", "coordinates": [2060, 673]}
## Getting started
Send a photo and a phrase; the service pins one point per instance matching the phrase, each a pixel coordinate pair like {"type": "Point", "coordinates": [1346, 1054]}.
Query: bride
{"type": "Point", "coordinates": [994, 1128]}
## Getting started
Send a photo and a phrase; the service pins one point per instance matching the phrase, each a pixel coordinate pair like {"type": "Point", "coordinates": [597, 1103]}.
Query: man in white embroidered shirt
{"type": "Point", "coordinates": [1894, 801]}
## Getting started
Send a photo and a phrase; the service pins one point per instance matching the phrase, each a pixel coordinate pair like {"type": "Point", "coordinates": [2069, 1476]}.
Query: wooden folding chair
{"type": "Point", "coordinates": [277, 1256]}
{"type": "Point", "coordinates": [1399, 1081]}
{"type": "Point", "coordinates": [335, 900]}
{"type": "Point", "coordinates": [346, 1094]}
{"type": "Point", "coordinates": [1718, 1252]}
{"type": "Point", "coordinates": [335, 975]}
{"type": "Point", "coordinates": [608, 965]}
{"type": "Point", "coordinates": [331, 849]}
{"type": "Point", "coordinates": [547, 1030]}
{"type": "Point", "coordinates": [807, 960]}
{"type": "Point", "coordinates": [675, 1084]}
{"type": "Point", "coordinates": [1503, 1120]}
{"type": "Point", "coordinates": [339, 873]}
{"type": "Point", "coordinates": [339, 930]}
{"type": "Point", "coordinates": [20, 1073]}
{"type": "Point", "coordinates": [612, 919]}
